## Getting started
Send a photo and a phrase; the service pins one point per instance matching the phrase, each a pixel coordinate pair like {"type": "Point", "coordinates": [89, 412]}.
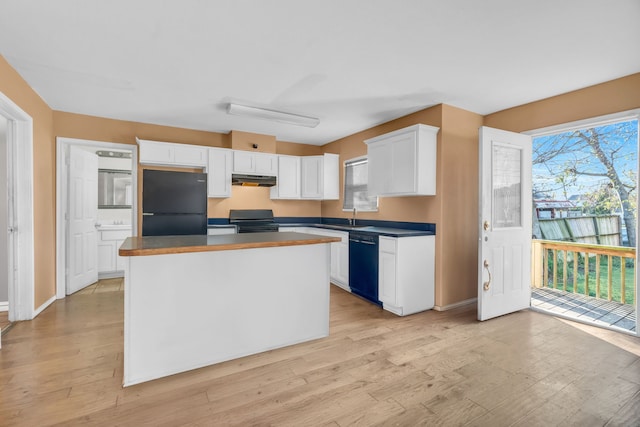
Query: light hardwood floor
{"type": "Point", "coordinates": [4, 320]}
{"type": "Point", "coordinates": [432, 368]}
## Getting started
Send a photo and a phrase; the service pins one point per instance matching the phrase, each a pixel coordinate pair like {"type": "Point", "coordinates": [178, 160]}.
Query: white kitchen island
{"type": "Point", "coordinates": [193, 301]}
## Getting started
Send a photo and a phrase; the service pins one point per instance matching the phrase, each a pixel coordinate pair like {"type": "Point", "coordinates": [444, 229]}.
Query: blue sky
{"type": "Point", "coordinates": [619, 139]}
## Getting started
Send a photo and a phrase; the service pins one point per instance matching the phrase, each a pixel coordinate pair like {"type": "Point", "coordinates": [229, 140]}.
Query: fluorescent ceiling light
{"type": "Point", "coordinates": [273, 115]}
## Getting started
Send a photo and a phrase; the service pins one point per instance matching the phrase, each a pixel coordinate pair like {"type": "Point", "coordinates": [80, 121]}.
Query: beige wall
{"type": "Point", "coordinates": [80, 126]}
{"type": "Point", "coordinates": [456, 191]}
{"type": "Point", "coordinates": [606, 98]}
{"type": "Point", "coordinates": [44, 227]}
{"type": "Point", "coordinates": [396, 208]}
{"type": "Point", "coordinates": [457, 231]}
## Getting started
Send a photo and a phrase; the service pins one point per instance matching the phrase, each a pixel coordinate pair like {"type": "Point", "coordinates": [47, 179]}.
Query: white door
{"type": "Point", "coordinates": [82, 247]}
{"type": "Point", "coordinates": [504, 252]}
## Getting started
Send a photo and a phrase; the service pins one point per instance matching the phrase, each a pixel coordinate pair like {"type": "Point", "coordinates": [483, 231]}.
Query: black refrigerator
{"type": "Point", "coordinates": [173, 203]}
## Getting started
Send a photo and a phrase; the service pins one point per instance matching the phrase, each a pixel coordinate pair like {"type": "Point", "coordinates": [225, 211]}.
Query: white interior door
{"type": "Point", "coordinates": [504, 253]}
{"type": "Point", "coordinates": [83, 211]}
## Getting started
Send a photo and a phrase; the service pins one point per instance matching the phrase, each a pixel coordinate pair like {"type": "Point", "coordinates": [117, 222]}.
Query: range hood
{"type": "Point", "coordinates": [253, 180]}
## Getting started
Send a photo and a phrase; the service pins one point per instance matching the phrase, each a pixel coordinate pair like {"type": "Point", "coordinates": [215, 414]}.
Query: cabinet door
{"type": "Point", "coordinates": [217, 231]}
{"type": "Point", "coordinates": [158, 153]}
{"type": "Point", "coordinates": [190, 155]}
{"type": "Point", "coordinates": [219, 173]}
{"type": "Point", "coordinates": [266, 164]}
{"type": "Point", "coordinates": [335, 262]}
{"type": "Point", "coordinates": [403, 158]}
{"type": "Point", "coordinates": [106, 256]}
{"type": "Point", "coordinates": [311, 177]}
{"type": "Point", "coordinates": [331, 175]}
{"type": "Point", "coordinates": [243, 162]}
{"type": "Point", "coordinates": [379, 168]}
{"type": "Point", "coordinates": [288, 186]}
{"type": "Point", "coordinates": [343, 262]}
{"type": "Point", "coordinates": [387, 290]}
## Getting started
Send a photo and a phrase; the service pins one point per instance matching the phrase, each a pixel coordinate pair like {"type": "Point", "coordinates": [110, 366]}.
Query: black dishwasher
{"type": "Point", "coordinates": [363, 265]}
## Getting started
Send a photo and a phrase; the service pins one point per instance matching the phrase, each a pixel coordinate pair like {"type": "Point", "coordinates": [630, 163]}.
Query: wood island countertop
{"type": "Point", "coordinates": [162, 245]}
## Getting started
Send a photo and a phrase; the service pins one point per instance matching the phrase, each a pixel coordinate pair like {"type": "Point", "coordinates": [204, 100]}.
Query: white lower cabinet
{"type": "Point", "coordinates": [406, 274]}
{"type": "Point", "coordinates": [339, 253]}
{"type": "Point", "coordinates": [110, 264]}
{"type": "Point", "coordinates": [217, 231]}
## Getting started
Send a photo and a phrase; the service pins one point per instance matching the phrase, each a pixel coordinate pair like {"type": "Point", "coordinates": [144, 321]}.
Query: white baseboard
{"type": "Point", "coordinates": [455, 305]}
{"type": "Point", "coordinates": [4, 305]}
{"type": "Point", "coordinates": [43, 306]}
{"type": "Point", "coordinates": [110, 275]}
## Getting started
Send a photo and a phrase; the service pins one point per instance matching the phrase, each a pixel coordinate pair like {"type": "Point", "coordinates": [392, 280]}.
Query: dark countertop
{"type": "Point", "coordinates": [380, 231]}
{"type": "Point", "coordinates": [160, 245]}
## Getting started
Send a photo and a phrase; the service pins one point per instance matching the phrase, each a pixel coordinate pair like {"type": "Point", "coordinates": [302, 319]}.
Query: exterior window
{"type": "Point", "coordinates": [355, 187]}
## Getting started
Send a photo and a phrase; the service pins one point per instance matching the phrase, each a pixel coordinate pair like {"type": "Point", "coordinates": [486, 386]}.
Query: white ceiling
{"type": "Point", "coordinates": [352, 63]}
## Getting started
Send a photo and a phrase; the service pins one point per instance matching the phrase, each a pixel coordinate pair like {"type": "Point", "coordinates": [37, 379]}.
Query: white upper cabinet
{"type": "Point", "coordinates": [312, 177]}
{"type": "Point", "coordinates": [320, 177]}
{"type": "Point", "coordinates": [403, 163]}
{"type": "Point", "coordinates": [171, 154]}
{"type": "Point", "coordinates": [249, 162]}
{"type": "Point", "coordinates": [308, 177]}
{"type": "Point", "coordinates": [288, 182]}
{"type": "Point", "coordinates": [159, 153]}
{"type": "Point", "coordinates": [219, 172]}
{"type": "Point", "coordinates": [331, 166]}
{"type": "Point", "coordinates": [191, 155]}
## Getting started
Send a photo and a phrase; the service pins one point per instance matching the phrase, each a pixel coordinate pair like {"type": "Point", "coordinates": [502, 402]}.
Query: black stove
{"type": "Point", "coordinates": [252, 220]}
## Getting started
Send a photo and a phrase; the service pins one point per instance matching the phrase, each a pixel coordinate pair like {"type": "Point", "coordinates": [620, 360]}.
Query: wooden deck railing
{"type": "Point", "coordinates": [581, 268]}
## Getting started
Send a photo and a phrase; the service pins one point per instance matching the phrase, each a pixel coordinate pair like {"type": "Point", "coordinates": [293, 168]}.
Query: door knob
{"type": "Point", "coordinates": [485, 225]}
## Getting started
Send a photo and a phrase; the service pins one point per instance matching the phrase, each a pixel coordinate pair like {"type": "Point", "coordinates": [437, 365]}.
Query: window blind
{"type": "Point", "coordinates": [355, 187]}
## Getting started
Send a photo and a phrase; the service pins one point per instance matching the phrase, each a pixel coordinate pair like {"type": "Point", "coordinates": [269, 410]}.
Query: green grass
{"type": "Point", "coordinates": [604, 271]}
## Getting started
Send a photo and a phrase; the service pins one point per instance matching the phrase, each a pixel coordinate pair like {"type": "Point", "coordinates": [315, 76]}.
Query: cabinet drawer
{"type": "Point", "coordinates": [115, 234]}
{"type": "Point", "coordinates": [217, 231]}
{"type": "Point", "coordinates": [387, 244]}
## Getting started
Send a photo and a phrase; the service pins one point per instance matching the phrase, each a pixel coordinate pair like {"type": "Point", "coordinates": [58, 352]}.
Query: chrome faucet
{"type": "Point", "coordinates": [352, 221]}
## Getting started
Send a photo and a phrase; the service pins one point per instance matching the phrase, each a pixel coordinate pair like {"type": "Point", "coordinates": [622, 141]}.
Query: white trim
{"type": "Point", "coordinates": [4, 306]}
{"type": "Point", "coordinates": [111, 275]}
{"type": "Point", "coordinates": [62, 147]}
{"type": "Point", "coordinates": [46, 304]}
{"type": "Point", "coordinates": [20, 206]}
{"type": "Point", "coordinates": [455, 305]}
{"type": "Point", "coordinates": [581, 124]}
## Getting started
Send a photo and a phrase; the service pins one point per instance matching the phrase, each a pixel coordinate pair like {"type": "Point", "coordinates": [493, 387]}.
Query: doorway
{"type": "Point", "coordinates": [63, 197]}
{"type": "Point", "coordinates": [584, 252]}
{"type": "Point", "coordinates": [19, 231]}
